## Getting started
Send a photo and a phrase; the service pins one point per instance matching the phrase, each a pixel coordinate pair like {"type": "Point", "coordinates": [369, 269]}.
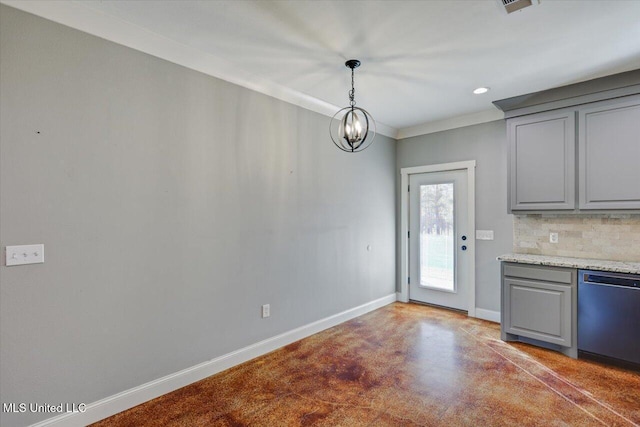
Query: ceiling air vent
{"type": "Point", "coordinates": [514, 5]}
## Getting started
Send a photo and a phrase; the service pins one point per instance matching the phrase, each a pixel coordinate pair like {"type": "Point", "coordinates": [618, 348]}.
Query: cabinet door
{"type": "Point", "coordinates": [609, 154]}
{"type": "Point", "coordinates": [538, 310]}
{"type": "Point", "coordinates": [542, 161]}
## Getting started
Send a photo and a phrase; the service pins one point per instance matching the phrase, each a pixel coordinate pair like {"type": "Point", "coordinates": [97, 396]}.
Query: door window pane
{"type": "Point", "coordinates": [437, 249]}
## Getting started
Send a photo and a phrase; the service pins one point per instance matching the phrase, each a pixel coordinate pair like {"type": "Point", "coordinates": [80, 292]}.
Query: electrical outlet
{"type": "Point", "coordinates": [266, 310]}
{"type": "Point", "coordinates": [553, 237]}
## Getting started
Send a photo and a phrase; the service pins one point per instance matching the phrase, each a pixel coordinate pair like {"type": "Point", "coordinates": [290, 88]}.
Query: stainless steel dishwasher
{"type": "Point", "coordinates": [609, 315]}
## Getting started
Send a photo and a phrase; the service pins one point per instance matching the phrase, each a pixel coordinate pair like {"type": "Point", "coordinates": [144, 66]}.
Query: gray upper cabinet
{"type": "Point", "coordinates": [575, 148]}
{"type": "Point", "coordinates": [609, 154]}
{"type": "Point", "coordinates": [542, 161]}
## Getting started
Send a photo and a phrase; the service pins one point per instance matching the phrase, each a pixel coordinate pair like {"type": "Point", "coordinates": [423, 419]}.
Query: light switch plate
{"type": "Point", "coordinates": [24, 254]}
{"type": "Point", "coordinates": [484, 234]}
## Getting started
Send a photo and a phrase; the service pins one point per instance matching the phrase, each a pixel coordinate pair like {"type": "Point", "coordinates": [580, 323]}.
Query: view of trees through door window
{"type": "Point", "coordinates": [437, 236]}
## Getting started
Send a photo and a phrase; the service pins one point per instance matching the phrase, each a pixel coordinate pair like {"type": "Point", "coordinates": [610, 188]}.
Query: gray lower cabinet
{"type": "Point", "coordinates": [539, 306]}
{"type": "Point", "coordinates": [609, 154]}
{"type": "Point", "coordinates": [542, 161]}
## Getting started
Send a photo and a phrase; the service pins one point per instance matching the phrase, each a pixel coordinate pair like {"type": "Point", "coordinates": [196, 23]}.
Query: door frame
{"type": "Point", "coordinates": [470, 167]}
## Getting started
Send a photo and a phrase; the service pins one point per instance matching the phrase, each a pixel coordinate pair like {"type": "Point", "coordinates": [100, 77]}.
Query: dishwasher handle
{"type": "Point", "coordinates": [599, 278]}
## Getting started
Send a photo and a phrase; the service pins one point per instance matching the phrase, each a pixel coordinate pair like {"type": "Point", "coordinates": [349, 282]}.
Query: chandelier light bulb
{"type": "Point", "coordinates": [351, 129]}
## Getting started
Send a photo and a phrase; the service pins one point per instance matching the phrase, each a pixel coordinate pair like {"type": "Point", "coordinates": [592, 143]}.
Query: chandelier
{"type": "Point", "coordinates": [352, 128]}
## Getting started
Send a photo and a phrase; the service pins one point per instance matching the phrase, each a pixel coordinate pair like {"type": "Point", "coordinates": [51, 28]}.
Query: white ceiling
{"type": "Point", "coordinates": [420, 59]}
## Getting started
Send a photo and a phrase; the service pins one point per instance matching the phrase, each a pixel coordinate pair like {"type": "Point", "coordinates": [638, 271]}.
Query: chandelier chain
{"type": "Point", "coordinates": [352, 92]}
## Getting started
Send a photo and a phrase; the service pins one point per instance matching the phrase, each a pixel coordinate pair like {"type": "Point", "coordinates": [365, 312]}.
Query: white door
{"type": "Point", "coordinates": [438, 239]}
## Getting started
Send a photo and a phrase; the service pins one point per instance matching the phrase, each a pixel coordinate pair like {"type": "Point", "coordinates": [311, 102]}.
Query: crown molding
{"type": "Point", "coordinates": [451, 123]}
{"type": "Point", "coordinates": [108, 27]}
{"type": "Point", "coordinates": [111, 28]}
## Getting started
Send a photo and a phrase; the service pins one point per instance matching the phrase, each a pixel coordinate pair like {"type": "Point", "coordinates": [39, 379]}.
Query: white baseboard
{"type": "Point", "coordinates": [112, 405]}
{"type": "Point", "coordinates": [490, 315]}
{"type": "Point", "coordinates": [401, 297]}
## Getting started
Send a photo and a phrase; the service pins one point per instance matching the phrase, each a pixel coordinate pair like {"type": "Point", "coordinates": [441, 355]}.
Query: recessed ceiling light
{"type": "Point", "coordinates": [481, 90]}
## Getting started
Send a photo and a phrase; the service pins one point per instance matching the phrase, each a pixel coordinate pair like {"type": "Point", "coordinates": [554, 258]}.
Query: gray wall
{"type": "Point", "coordinates": [171, 205]}
{"type": "Point", "coordinates": [487, 144]}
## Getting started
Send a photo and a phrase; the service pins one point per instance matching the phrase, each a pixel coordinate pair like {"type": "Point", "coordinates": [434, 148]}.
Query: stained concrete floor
{"type": "Point", "coordinates": [403, 365]}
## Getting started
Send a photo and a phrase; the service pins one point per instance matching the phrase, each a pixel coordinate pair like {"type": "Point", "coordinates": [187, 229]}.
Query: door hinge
{"type": "Point", "coordinates": [408, 234]}
{"type": "Point", "coordinates": [408, 188]}
{"type": "Point", "coordinates": [409, 280]}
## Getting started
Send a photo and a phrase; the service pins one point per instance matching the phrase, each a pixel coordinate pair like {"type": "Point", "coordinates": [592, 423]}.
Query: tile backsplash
{"type": "Point", "coordinates": [598, 236]}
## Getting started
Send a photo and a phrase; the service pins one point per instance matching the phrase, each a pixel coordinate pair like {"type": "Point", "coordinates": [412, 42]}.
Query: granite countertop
{"type": "Point", "coordinates": [582, 263]}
